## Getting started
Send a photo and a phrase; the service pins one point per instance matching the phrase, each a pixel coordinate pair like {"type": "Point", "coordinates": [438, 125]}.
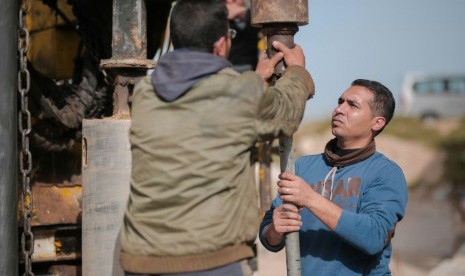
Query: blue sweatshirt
{"type": "Point", "coordinates": [373, 196]}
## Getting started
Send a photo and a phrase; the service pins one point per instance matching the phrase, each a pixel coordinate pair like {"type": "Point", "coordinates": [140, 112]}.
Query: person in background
{"type": "Point", "coordinates": [193, 206]}
{"type": "Point", "coordinates": [244, 49]}
{"type": "Point", "coordinates": [350, 197]}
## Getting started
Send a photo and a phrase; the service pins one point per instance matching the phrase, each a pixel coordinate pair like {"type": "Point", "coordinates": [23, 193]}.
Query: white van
{"type": "Point", "coordinates": [433, 97]}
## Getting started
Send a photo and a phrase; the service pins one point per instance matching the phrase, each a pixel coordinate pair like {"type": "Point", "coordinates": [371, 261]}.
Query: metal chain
{"type": "Point", "coordinates": [24, 125]}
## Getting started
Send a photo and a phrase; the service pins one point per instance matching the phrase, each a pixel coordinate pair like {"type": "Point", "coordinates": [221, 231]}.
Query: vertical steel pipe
{"type": "Point", "coordinates": [129, 30]}
{"type": "Point", "coordinates": [128, 51]}
{"type": "Point", "coordinates": [264, 158]}
{"type": "Point", "coordinates": [8, 132]}
{"type": "Point", "coordinates": [286, 157]}
{"type": "Point", "coordinates": [285, 34]}
{"type": "Point", "coordinates": [280, 20]}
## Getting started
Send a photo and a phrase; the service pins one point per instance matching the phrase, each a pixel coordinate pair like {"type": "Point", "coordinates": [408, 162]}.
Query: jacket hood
{"type": "Point", "coordinates": [178, 71]}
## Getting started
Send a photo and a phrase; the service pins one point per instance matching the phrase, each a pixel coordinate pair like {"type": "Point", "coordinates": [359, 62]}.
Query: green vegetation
{"type": "Point", "coordinates": [414, 129]}
{"type": "Point", "coordinates": [454, 145]}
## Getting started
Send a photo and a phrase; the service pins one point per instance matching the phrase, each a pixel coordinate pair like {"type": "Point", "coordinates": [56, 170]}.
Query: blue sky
{"type": "Point", "coordinates": [380, 40]}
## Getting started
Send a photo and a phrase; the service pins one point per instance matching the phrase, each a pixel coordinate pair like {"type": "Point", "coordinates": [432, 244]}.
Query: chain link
{"type": "Point", "coordinates": [24, 125]}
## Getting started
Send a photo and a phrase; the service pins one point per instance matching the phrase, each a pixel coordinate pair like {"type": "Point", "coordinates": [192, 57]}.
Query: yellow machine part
{"type": "Point", "coordinates": [53, 42]}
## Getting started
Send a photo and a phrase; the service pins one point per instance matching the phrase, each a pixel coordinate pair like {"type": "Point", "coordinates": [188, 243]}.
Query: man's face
{"type": "Point", "coordinates": [352, 120]}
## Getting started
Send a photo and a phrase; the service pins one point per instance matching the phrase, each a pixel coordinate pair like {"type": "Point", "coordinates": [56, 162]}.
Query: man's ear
{"type": "Point", "coordinates": [378, 123]}
{"type": "Point", "coordinates": [221, 47]}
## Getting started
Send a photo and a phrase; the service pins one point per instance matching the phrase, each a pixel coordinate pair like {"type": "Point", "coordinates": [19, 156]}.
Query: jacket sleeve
{"type": "Point", "coordinates": [382, 205]}
{"type": "Point", "coordinates": [267, 220]}
{"type": "Point", "coordinates": [282, 106]}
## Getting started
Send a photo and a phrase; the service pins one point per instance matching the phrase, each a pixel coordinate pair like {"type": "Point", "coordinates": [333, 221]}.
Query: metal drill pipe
{"type": "Point", "coordinates": [284, 33]}
{"type": "Point", "coordinates": [264, 158]}
{"type": "Point", "coordinates": [280, 20]}
{"type": "Point", "coordinates": [286, 156]}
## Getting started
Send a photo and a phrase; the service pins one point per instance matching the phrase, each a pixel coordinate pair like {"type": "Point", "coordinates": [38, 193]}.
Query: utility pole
{"type": "Point", "coordinates": [280, 20]}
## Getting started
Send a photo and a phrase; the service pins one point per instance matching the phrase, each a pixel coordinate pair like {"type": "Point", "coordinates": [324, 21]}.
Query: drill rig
{"type": "Point", "coordinates": [62, 66]}
{"type": "Point", "coordinates": [70, 67]}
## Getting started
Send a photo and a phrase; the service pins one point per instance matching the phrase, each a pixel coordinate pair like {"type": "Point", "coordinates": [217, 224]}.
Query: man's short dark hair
{"type": "Point", "coordinates": [383, 103]}
{"type": "Point", "coordinates": [198, 24]}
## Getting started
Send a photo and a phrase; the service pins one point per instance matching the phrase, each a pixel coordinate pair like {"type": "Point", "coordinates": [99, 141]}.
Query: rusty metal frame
{"type": "Point", "coordinates": [129, 52]}
{"type": "Point", "coordinates": [8, 132]}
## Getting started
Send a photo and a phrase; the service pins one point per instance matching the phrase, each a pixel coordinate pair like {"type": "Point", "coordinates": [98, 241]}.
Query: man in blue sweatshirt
{"type": "Point", "coordinates": [345, 202]}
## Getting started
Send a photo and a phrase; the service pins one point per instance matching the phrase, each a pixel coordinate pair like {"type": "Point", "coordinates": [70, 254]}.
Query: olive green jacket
{"type": "Point", "coordinates": [193, 204]}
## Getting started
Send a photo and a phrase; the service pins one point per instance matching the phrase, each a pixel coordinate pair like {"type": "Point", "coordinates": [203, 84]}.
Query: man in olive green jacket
{"type": "Point", "coordinates": [193, 206]}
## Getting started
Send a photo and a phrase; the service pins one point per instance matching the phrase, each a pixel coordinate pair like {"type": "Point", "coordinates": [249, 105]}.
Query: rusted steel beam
{"type": "Point", "coordinates": [129, 30]}
{"type": "Point", "coordinates": [56, 205]}
{"type": "Point", "coordinates": [129, 51]}
{"type": "Point", "coordinates": [57, 244]}
{"type": "Point", "coordinates": [8, 132]}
